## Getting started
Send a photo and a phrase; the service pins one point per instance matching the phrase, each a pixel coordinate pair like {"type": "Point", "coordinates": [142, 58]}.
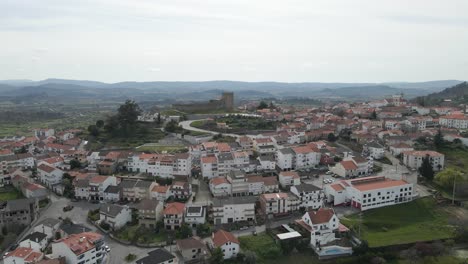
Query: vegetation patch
{"type": "Point", "coordinates": [262, 245]}
{"type": "Point", "coordinates": [9, 193]}
{"type": "Point", "coordinates": [419, 220]}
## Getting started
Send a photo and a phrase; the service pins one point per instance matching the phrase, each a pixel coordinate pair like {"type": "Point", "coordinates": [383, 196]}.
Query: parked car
{"type": "Point", "coordinates": [68, 208]}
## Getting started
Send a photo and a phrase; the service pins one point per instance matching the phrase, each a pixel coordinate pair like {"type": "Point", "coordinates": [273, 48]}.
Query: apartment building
{"type": "Point", "coordinates": [162, 165]}
{"type": "Point", "coordinates": [18, 212]}
{"type": "Point", "coordinates": [369, 192]}
{"type": "Point", "coordinates": [220, 187]}
{"type": "Point", "coordinates": [234, 209]}
{"type": "Point", "coordinates": [310, 196]}
{"type": "Point", "coordinates": [289, 178]}
{"type": "Point", "coordinates": [276, 204]}
{"type": "Point", "coordinates": [238, 181]}
{"type": "Point", "coordinates": [149, 212]}
{"type": "Point", "coordinates": [414, 159]}
{"type": "Point", "coordinates": [135, 190]}
{"type": "Point", "coordinates": [458, 121]}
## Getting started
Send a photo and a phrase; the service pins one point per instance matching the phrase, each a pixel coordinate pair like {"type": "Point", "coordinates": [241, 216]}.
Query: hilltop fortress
{"type": "Point", "coordinates": [226, 102]}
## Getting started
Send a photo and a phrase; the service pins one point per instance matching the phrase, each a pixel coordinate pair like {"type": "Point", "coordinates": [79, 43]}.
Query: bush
{"type": "Point", "coordinates": [104, 225]}
{"type": "Point", "coordinates": [130, 257]}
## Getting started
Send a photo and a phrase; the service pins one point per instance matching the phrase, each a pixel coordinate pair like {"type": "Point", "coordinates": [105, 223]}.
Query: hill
{"type": "Point", "coordinates": [458, 94]}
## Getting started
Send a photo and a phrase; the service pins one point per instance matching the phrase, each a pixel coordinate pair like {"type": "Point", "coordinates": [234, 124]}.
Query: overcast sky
{"type": "Point", "coordinates": [246, 40]}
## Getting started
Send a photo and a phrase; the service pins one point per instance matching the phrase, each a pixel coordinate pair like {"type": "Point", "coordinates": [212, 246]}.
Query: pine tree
{"type": "Point", "coordinates": [438, 139]}
{"type": "Point", "coordinates": [426, 169]}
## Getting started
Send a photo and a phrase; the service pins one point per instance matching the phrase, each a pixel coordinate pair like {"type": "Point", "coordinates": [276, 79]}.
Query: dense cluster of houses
{"type": "Point", "coordinates": [257, 176]}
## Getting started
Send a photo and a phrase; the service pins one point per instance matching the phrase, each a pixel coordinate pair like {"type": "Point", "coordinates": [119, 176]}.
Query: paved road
{"type": "Point", "coordinates": [79, 215]}
{"type": "Point", "coordinates": [186, 125]}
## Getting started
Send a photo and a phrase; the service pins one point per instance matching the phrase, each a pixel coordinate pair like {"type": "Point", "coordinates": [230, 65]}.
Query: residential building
{"type": "Point", "coordinates": [160, 192]}
{"type": "Point", "coordinates": [174, 215]}
{"type": "Point", "coordinates": [369, 192]}
{"type": "Point", "coordinates": [117, 216]}
{"type": "Point", "coordinates": [289, 178]}
{"type": "Point", "coordinates": [159, 256]}
{"type": "Point", "coordinates": [310, 196]}
{"type": "Point", "coordinates": [87, 247]}
{"type": "Point", "coordinates": [162, 165]}
{"type": "Point", "coordinates": [267, 162]}
{"type": "Point", "coordinates": [36, 240]}
{"type": "Point", "coordinates": [98, 185]}
{"type": "Point", "coordinates": [135, 190]}
{"type": "Point", "coordinates": [458, 121]}
{"type": "Point", "coordinates": [276, 204]}
{"type": "Point", "coordinates": [238, 181]}
{"type": "Point", "coordinates": [181, 190]}
{"type": "Point", "coordinates": [49, 175]}
{"type": "Point", "coordinates": [23, 255]}
{"type": "Point", "coordinates": [193, 250]}
{"type": "Point", "coordinates": [227, 242]}
{"type": "Point", "coordinates": [374, 150]}
{"type": "Point", "coordinates": [322, 225]}
{"type": "Point", "coordinates": [285, 159]}
{"type": "Point", "coordinates": [234, 209]}
{"type": "Point", "coordinates": [305, 157]}
{"type": "Point", "coordinates": [220, 187]}
{"type": "Point", "coordinates": [194, 215]}
{"type": "Point", "coordinates": [414, 159]}
{"type": "Point", "coordinates": [209, 167]}
{"type": "Point", "coordinates": [48, 226]}
{"type": "Point", "coordinates": [18, 212]}
{"type": "Point", "coordinates": [399, 148]}
{"type": "Point", "coordinates": [149, 212]}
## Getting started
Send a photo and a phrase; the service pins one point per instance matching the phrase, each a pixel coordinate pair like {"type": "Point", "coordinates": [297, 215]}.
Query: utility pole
{"type": "Point", "coordinates": [453, 192]}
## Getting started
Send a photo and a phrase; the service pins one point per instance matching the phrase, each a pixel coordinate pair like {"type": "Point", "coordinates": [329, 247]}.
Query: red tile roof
{"type": "Point", "coordinates": [348, 165]}
{"type": "Point", "coordinates": [46, 168]}
{"type": "Point", "coordinates": [222, 237]}
{"type": "Point", "coordinates": [293, 174]}
{"type": "Point", "coordinates": [322, 215]}
{"type": "Point", "coordinates": [208, 159]}
{"type": "Point", "coordinates": [174, 208]}
{"type": "Point", "coordinates": [337, 187]}
{"type": "Point", "coordinates": [218, 180]}
{"type": "Point", "coordinates": [80, 243]}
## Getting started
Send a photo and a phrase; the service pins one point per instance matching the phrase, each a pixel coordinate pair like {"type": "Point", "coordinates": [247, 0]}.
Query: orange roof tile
{"type": "Point", "coordinates": [221, 237]}
{"type": "Point", "coordinates": [174, 208]}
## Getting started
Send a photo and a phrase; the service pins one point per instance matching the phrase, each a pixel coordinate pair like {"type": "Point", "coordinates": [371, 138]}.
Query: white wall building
{"type": "Point", "coordinates": [85, 247]}
{"type": "Point", "coordinates": [414, 159]}
{"type": "Point", "coordinates": [234, 209]}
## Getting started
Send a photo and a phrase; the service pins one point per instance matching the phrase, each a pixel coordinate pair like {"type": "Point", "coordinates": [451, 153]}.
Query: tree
{"type": "Point", "coordinates": [438, 139]}
{"type": "Point", "coordinates": [184, 231]}
{"type": "Point", "coordinates": [287, 246]}
{"type": "Point", "coordinates": [361, 249]}
{"type": "Point", "coordinates": [373, 115]}
{"type": "Point", "coordinates": [159, 118]}
{"type": "Point", "coordinates": [58, 235]}
{"type": "Point", "coordinates": [127, 116]}
{"type": "Point", "coordinates": [173, 127]}
{"type": "Point", "coordinates": [262, 105]}
{"type": "Point", "coordinates": [331, 137]}
{"type": "Point", "coordinates": [100, 123]}
{"type": "Point", "coordinates": [217, 256]}
{"type": "Point", "coordinates": [74, 163]}
{"type": "Point", "coordinates": [250, 257]}
{"type": "Point", "coordinates": [93, 130]}
{"type": "Point", "coordinates": [447, 177]}
{"type": "Point", "coordinates": [426, 169]}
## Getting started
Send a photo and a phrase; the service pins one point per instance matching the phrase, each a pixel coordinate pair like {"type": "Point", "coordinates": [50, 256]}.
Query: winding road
{"type": "Point", "coordinates": [186, 125]}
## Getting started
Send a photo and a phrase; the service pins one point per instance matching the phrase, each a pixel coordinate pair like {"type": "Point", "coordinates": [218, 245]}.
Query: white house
{"type": "Point", "coordinates": [195, 215]}
{"type": "Point", "coordinates": [289, 178]}
{"type": "Point", "coordinates": [36, 240]}
{"type": "Point", "coordinates": [414, 159]}
{"type": "Point", "coordinates": [227, 242]}
{"type": "Point", "coordinates": [209, 167]}
{"type": "Point", "coordinates": [310, 196]}
{"type": "Point", "coordinates": [285, 159]}
{"type": "Point", "coordinates": [374, 150]}
{"type": "Point", "coordinates": [397, 149]}
{"type": "Point", "coordinates": [458, 121]}
{"type": "Point", "coordinates": [322, 226]}
{"type": "Point", "coordinates": [116, 216]}
{"type": "Point", "coordinates": [48, 227]}
{"type": "Point", "coordinates": [267, 162]}
{"type": "Point", "coordinates": [369, 192]}
{"type": "Point", "coordinates": [234, 209]}
{"type": "Point", "coordinates": [49, 175]}
{"type": "Point", "coordinates": [219, 187]}
{"type": "Point", "coordinates": [305, 157]}
{"type": "Point", "coordinates": [276, 204]}
{"type": "Point", "coordinates": [87, 247]}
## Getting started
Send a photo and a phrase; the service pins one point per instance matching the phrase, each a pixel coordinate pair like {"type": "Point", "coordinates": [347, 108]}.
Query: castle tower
{"type": "Point", "coordinates": [228, 99]}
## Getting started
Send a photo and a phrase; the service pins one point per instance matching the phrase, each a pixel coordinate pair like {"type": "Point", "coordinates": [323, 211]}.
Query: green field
{"type": "Point", "coordinates": [456, 158]}
{"type": "Point", "coordinates": [263, 245]}
{"type": "Point", "coordinates": [161, 148]}
{"type": "Point", "coordinates": [419, 220]}
{"type": "Point", "coordinates": [9, 193]}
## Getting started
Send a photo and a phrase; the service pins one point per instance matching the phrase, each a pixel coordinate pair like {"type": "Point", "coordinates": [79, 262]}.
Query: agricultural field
{"type": "Point", "coordinates": [417, 221]}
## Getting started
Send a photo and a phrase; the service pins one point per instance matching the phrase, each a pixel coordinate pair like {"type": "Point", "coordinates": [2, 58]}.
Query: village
{"type": "Point", "coordinates": [238, 191]}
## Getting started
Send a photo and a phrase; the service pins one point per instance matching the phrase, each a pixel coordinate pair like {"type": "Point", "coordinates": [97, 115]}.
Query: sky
{"type": "Point", "coordinates": [244, 40]}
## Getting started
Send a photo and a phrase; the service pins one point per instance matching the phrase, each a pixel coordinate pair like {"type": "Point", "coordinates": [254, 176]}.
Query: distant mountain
{"type": "Point", "coordinates": [458, 94]}
{"type": "Point", "coordinates": [58, 90]}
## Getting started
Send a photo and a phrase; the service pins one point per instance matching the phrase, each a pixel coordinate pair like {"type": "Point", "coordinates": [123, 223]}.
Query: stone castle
{"type": "Point", "coordinates": [226, 102]}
